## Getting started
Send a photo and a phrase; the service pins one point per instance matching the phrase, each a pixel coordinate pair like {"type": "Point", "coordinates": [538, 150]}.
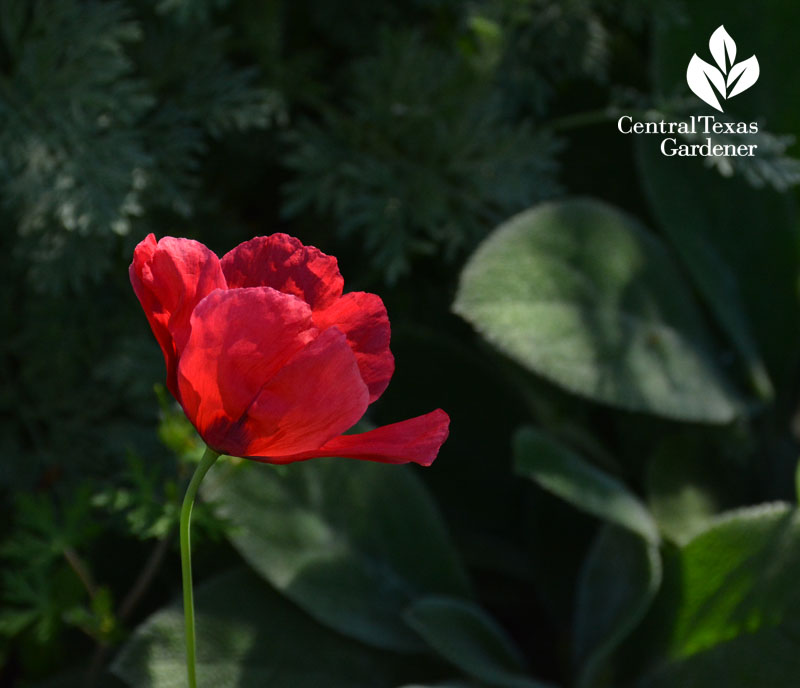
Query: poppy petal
{"type": "Point", "coordinates": [415, 440]}
{"type": "Point", "coordinates": [239, 340]}
{"type": "Point", "coordinates": [315, 397]}
{"type": "Point", "coordinates": [170, 277]}
{"type": "Point", "coordinates": [363, 319]}
{"type": "Point", "coordinates": [284, 263]}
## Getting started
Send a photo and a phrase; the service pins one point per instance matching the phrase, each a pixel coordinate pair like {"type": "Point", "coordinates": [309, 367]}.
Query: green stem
{"type": "Point", "coordinates": [186, 560]}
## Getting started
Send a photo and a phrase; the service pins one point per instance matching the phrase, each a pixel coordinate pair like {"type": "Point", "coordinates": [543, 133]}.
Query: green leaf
{"type": "Point", "coordinates": [738, 576]}
{"type": "Point", "coordinates": [770, 657]}
{"type": "Point", "coordinates": [351, 542]}
{"type": "Point", "coordinates": [736, 602]}
{"type": "Point", "coordinates": [682, 507]}
{"type": "Point", "coordinates": [14, 621]}
{"type": "Point", "coordinates": [581, 294]}
{"type": "Point", "coordinates": [688, 482]}
{"type": "Point", "coordinates": [248, 636]}
{"type": "Point", "coordinates": [558, 470]}
{"type": "Point", "coordinates": [716, 226]}
{"type": "Point", "coordinates": [466, 636]}
{"type": "Point", "coordinates": [618, 582]}
{"type": "Point", "coordinates": [730, 235]}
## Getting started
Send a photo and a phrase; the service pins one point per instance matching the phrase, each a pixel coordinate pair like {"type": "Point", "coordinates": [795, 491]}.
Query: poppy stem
{"type": "Point", "coordinates": [206, 462]}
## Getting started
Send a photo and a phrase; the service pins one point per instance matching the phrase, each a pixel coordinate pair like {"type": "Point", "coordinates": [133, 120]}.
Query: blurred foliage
{"type": "Point", "coordinates": [318, 532]}
{"type": "Point", "coordinates": [48, 582]}
{"type": "Point", "coordinates": [102, 120]}
{"type": "Point", "coordinates": [614, 506]}
{"type": "Point", "coordinates": [421, 161]}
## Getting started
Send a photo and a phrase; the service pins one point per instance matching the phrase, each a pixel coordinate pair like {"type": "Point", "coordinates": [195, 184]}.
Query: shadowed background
{"type": "Point", "coordinates": [620, 363]}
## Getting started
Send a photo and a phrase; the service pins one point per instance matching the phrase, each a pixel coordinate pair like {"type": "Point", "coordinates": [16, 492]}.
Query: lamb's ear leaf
{"type": "Point", "coordinates": [748, 636]}
{"type": "Point", "coordinates": [580, 293]}
{"type": "Point", "coordinates": [467, 637]}
{"type": "Point", "coordinates": [560, 471]}
{"type": "Point", "coordinates": [350, 542]}
{"type": "Point", "coordinates": [618, 582]}
{"type": "Point", "coordinates": [237, 615]}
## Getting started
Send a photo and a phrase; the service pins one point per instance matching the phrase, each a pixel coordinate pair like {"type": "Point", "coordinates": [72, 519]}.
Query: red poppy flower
{"type": "Point", "coordinates": [268, 358]}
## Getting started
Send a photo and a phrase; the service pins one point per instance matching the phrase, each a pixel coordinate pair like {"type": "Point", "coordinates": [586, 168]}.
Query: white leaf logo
{"type": "Point", "coordinates": [719, 44]}
{"type": "Point", "coordinates": [708, 82]}
{"type": "Point", "coordinates": [743, 75]}
{"type": "Point", "coordinates": [700, 75]}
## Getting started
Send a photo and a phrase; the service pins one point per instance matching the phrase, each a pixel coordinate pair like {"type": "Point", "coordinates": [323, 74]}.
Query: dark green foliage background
{"type": "Point", "coordinates": [569, 532]}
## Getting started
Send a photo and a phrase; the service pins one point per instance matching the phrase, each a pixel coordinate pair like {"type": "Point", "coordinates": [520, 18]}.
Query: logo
{"type": "Point", "coordinates": [707, 136]}
{"type": "Point", "coordinates": [706, 81]}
